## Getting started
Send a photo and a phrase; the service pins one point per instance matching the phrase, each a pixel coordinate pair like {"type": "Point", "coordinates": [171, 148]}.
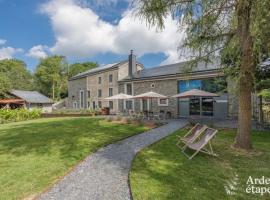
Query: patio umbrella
{"type": "Point", "coordinates": [196, 93]}
{"type": "Point", "coordinates": [120, 96]}
{"type": "Point", "coordinates": [150, 95]}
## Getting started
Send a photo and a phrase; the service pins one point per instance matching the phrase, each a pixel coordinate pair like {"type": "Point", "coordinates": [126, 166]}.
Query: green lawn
{"type": "Point", "coordinates": [34, 154]}
{"type": "Point", "coordinates": [162, 172]}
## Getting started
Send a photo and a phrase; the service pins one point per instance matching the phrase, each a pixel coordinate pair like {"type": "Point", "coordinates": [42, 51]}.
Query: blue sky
{"type": "Point", "coordinates": [102, 31]}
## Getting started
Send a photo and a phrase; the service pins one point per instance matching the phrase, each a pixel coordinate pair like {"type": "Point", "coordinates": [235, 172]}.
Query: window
{"type": "Point", "coordinates": [88, 94]}
{"type": "Point", "coordinates": [110, 78]}
{"type": "Point", "coordinates": [99, 93]}
{"type": "Point", "coordinates": [111, 104]}
{"type": "Point", "coordinates": [88, 104]}
{"type": "Point", "coordinates": [129, 105]}
{"type": "Point", "coordinates": [144, 105]}
{"type": "Point", "coordinates": [163, 102]}
{"type": "Point", "coordinates": [81, 99]}
{"type": "Point", "coordinates": [129, 88]}
{"type": "Point", "coordinates": [210, 85]}
{"type": "Point", "coordinates": [110, 92]}
{"type": "Point", "coordinates": [99, 104]}
{"type": "Point", "coordinates": [74, 104]}
{"type": "Point", "coordinates": [94, 105]}
{"type": "Point", "coordinates": [99, 80]}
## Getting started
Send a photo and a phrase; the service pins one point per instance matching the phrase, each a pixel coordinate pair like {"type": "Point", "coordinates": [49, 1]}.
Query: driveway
{"type": "Point", "coordinates": [104, 175]}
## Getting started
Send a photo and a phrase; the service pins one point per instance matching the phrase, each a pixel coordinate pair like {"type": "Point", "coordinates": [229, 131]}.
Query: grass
{"type": "Point", "coordinates": [162, 172]}
{"type": "Point", "coordinates": [35, 154]}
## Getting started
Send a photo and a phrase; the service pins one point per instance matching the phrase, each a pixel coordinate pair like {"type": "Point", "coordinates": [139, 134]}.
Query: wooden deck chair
{"type": "Point", "coordinates": [200, 145]}
{"type": "Point", "coordinates": [191, 135]}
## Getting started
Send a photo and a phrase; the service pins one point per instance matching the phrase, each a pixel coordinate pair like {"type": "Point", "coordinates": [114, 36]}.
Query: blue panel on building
{"type": "Point", "coordinates": [189, 85]}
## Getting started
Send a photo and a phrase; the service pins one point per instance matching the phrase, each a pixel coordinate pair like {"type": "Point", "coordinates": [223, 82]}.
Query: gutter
{"type": "Point", "coordinates": [173, 76]}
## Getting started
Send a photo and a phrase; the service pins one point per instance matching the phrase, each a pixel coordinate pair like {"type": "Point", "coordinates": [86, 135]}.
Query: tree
{"type": "Point", "coordinates": [51, 76]}
{"type": "Point", "coordinates": [77, 68]}
{"type": "Point", "coordinates": [217, 26]}
{"type": "Point", "coordinates": [14, 75]}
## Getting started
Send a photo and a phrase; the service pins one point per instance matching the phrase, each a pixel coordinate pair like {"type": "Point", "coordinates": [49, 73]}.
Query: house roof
{"type": "Point", "coordinates": [97, 69]}
{"type": "Point", "coordinates": [31, 96]}
{"type": "Point", "coordinates": [14, 101]}
{"type": "Point", "coordinates": [174, 69]}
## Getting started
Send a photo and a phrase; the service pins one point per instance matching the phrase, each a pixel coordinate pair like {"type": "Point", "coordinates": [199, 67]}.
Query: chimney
{"type": "Point", "coordinates": [131, 64]}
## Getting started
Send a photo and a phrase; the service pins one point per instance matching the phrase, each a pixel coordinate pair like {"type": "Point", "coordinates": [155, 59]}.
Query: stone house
{"type": "Point", "coordinates": [88, 89]}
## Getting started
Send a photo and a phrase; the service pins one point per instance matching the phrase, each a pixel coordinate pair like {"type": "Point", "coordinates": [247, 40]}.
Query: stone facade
{"type": "Point", "coordinates": [93, 85]}
{"type": "Point", "coordinates": [97, 86]}
{"type": "Point", "coordinates": [165, 87]}
{"type": "Point", "coordinates": [74, 88]}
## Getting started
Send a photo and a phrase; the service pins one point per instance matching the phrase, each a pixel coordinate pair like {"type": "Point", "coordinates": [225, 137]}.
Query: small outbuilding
{"type": "Point", "coordinates": [27, 99]}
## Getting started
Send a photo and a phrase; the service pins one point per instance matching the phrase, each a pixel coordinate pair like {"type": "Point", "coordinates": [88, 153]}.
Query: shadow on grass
{"type": "Point", "coordinates": [163, 172]}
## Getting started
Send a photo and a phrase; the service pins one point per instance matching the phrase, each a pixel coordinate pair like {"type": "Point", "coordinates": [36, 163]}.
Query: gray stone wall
{"type": "Point", "coordinates": [93, 86]}
{"type": "Point", "coordinates": [74, 88]}
{"type": "Point", "coordinates": [165, 87]}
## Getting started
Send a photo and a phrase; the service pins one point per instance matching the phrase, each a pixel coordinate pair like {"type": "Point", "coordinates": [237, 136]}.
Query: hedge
{"type": "Point", "coordinates": [15, 115]}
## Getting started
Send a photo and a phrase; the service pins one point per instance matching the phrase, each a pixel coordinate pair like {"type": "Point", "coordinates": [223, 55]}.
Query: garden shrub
{"type": "Point", "coordinates": [15, 115]}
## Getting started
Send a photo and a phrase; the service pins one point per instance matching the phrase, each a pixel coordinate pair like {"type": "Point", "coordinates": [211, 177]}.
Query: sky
{"type": "Point", "coordinates": [102, 31]}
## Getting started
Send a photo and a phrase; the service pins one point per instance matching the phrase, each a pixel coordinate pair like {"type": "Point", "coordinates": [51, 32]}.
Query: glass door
{"type": "Point", "coordinates": [207, 106]}
{"type": "Point", "coordinates": [194, 106]}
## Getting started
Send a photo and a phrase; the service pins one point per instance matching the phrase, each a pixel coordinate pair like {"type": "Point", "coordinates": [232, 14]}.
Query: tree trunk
{"type": "Point", "coordinates": [53, 91]}
{"type": "Point", "coordinates": [243, 138]}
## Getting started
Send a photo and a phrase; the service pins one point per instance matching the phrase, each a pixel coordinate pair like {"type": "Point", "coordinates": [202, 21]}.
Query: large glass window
{"type": "Point", "coordinates": [194, 106]}
{"type": "Point", "coordinates": [207, 106]}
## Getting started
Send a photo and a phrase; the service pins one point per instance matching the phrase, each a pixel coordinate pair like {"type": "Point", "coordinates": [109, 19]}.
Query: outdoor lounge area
{"type": "Point", "coordinates": [205, 107]}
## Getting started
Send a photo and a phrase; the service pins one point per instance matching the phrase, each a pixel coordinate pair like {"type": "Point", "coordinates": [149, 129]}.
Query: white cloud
{"type": "Point", "coordinates": [80, 32]}
{"type": "Point", "coordinates": [8, 52]}
{"type": "Point", "coordinates": [2, 42]}
{"type": "Point", "coordinates": [38, 52]}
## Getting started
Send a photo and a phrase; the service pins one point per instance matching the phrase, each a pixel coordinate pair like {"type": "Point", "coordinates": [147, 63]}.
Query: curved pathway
{"type": "Point", "coordinates": [104, 175]}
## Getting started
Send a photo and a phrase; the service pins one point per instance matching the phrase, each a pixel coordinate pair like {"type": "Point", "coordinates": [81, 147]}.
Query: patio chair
{"type": "Point", "coordinates": [191, 135]}
{"type": "Point", "coordinates": [200, 145]}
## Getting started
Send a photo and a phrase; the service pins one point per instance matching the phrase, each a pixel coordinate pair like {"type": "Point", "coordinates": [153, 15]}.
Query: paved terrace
{"type": "Point", "coordinates": [104, 174]}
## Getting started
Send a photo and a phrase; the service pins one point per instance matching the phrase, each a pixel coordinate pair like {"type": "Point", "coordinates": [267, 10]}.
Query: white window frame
{"type": "Point", "coordinates": [141, 104]}
{"type": "Point", "coordinates": [132, 93]}
{"type": "Point", "coordinates": [133, 102]}
{"type": "Point", "coordinates": [125, 104]}
{"type": "Point", "coordinates": [110, 75]}
{"type": "Point", "coordinates": [74, 104]}
{"type": "Point", "coordinates": [98, 93]}
{"type": "Point", "coordinates": [110, 88]}
{"type": "Point", "coordinates": [160, 104]}
{"type": "Point", "coordinates": [82, 100]}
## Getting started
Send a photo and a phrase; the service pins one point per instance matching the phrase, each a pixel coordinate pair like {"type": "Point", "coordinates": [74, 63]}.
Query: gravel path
{"type": "Point", "coordinates": [104, 174]}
